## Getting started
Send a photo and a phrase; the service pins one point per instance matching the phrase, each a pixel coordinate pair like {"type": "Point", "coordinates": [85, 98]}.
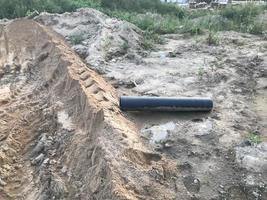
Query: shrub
{"type": "Point", "coordinates": [192, 27]}
{"type": "Point", "coordinates": [213, 38]}
{"type": "Point", "coordinates": [76, 39]}
{"type": "Point", "coordinates": [87, 3]}
{"type": "Point", "coordinates": [19, 8]}
{"type": "Point", "coordinates": [150, 22]}
{"type": "Point", "coordinates": [257, 27]}
{"type": "Point", "coordinates": [142, 6]}
{"type": "Point", "coordinates": [241, 13]}
{"type": "Point", "coordinates": [157, 24]}
{"type": "Point", "coordinates": [150, 39]}
{"type": "Point", "coordinates": [238, 18]}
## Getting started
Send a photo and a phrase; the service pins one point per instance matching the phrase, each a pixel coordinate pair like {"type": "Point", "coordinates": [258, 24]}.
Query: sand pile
{"type": "Point", "coordinates": [62, 133]}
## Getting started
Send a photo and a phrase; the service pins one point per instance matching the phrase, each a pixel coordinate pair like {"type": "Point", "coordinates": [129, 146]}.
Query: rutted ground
{"type": "Point", "coordinates": [69, 140]}
{"type": "Point", "coordinates": [62, 134]}
{"type": "Point", "coordinates": [216, 155]}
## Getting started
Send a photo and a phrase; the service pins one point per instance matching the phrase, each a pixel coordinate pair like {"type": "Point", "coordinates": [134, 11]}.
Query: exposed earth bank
{"type": "Point", "coordinates": [64, 137]}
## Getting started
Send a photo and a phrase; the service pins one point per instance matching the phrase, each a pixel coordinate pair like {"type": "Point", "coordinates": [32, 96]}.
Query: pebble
{"type": "Point", "coordinates": [64, 169]}
{"type": "Point", "coordinates": [46, 161]}
{"type": "Point", "coordinates": [2, 183]}
{"type": "Point", "coordinates": [38, 159]}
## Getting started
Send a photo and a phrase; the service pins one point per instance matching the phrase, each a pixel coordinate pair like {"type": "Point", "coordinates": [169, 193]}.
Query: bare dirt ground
{"type": "Point", "coordinates": [62, 135]}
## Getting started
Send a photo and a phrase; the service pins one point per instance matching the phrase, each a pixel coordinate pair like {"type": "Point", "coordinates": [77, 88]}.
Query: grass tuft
{"type": "Point", "coordinates": [255, 138]}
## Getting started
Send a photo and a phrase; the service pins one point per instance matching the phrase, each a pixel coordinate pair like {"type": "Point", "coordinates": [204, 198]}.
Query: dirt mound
{"type": "Point", "coordinates": [62, 133]}
{"type": "Point", "coordinates": [96, 37]}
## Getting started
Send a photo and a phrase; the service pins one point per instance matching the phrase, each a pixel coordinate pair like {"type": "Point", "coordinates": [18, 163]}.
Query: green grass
{"type": "Point", "coordinates": [150, 39]}
{"type": "Point", "coordinates": [143, 6]}
{"type": "Point", "coordinates": [242, 18]}
{"type": "Point", "coordinates": [151, 22]}
{"type": "Point", "coordinates": [153, 17]}
{"type": "Point", "coordinates": [213, 39]}
{"type": "Point", "coordinates": [232, 18]}
{"type": "Point", "coordinates": [19, 8]}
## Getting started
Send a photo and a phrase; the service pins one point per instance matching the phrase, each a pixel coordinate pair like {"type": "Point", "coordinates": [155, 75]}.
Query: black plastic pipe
{"type": "Point", "coordinates": [131, 103]}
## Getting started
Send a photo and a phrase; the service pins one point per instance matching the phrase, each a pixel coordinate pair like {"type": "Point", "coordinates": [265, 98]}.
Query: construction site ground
{"type": "Point", "coordinates": [63, 135]}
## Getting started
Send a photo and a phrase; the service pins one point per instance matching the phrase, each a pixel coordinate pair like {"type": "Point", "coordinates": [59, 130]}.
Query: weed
{"type": "Point", "coordinates": [257, 27]}
{"type": "Point", "coordinates": [125, 46]}
{"type": "Point", "coordinates": [191, 27]}
{"type": "Point", "coordinates": [212, 38]}
{"type": "Point", "coordinates": [142, 6]}
{"type": "Point", "coordinates": [241, 14]}
{"type": "Point", "coordinates": [76, 39]}
{"type": "Point", "coordinates": [200, 72]}
{"type": "Point", "coordinates": [255, 138]}
{"type": "Point", "coordinates": [29, 13]}
{"type": "Point", "coordinates": [150, 39]}
{"type": "Point", "coordinates": [265, 36]}
{"type": "Point", "coordinates": [87, 3]}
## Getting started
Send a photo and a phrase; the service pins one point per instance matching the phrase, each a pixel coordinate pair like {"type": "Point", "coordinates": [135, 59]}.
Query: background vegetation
{"type": "Point", "coordinates": [154, 17]}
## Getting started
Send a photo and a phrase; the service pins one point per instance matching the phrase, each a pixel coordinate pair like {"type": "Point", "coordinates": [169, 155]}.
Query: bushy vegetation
{"type": "Point", "coordinates": [142, 6]}
{"type": "Point", "coordinates": [243, 18]}
{"type": "Point", "coordinates": [19, 8]}
{"type": "Point", "coordinates": [152, 22]}
{"type": "Point", "coordinates": [152, 16]}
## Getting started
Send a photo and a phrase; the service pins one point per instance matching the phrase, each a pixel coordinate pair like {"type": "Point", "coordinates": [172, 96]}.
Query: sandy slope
{"type": "Point", "coordinates": [62, 134]}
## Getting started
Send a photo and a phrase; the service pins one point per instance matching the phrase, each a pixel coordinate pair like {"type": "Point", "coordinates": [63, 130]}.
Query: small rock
{"type": "Point", "coordinates": [38, 159]}
{"type": "Point", "coordinates": [185, 166]}
{"type": "Point", "coordinates": [192, 184]}
{"type": "Point", "coordinates": [57, 187]}
{"type": "Point", "coordinates": [245, 143]}
{"type": "Point", "coordinates": [18, 166]}
{"type": "Point", "coordinates": [78, 184]}
{"type": "Point", "coordinates": [158, 133]}
{"type": "Point", "coordinates": [2, 183]}
{"type": "Point", "coordinates": [46, 161]}
{"type": "Point", "coordinates": [253, 158]}
{"type": "Point", "coordinates": [203, 128]}
{"type": "Point", "coordinates": [40, 145]}
{"type": "Point", "coordinates": [64, 169]}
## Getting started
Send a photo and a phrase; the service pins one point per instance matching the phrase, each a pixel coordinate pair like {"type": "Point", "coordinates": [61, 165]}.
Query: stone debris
{"type": "Point", "coordinates": [253, 158]}
{"type": "Point", "coordinates": [158, 134]}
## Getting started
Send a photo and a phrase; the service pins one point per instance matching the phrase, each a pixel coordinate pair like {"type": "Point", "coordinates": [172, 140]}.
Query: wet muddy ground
{"type": "Point", "coordinates": [64, 137]}
{"type": "Point", "coordinates": [215, 152]}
